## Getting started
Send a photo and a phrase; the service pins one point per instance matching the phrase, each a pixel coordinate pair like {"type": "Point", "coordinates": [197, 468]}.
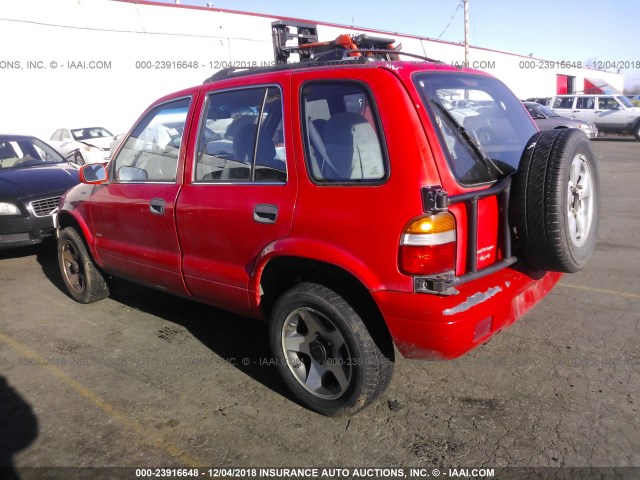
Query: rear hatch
{"type": "Point", "coordinates": [480, 150]}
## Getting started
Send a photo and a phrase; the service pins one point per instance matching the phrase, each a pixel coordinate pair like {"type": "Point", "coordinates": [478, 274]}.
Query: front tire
{"type": "Point", "coordinates": [636, 130]}
{"type": "Point", "coordinates": [324, 352]}
{"type": "Point", "coordinates": [84, 282]}
{"type": "Point", "coordinates": [78, 159]}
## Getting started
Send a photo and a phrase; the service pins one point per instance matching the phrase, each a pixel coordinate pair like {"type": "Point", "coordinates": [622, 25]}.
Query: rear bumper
{"type": "Point", "coordinates": [445, 327]}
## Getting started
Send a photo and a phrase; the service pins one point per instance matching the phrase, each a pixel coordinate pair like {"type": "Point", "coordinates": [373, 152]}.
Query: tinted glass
{"type": "Point", "coordinates": [341, 134]}
{"type": "Point", "coordinates": [501, 127]}
{"type": "Point", "coordinates": [241, 137]}
{"type": "Point", "coordinates": [151, 152]}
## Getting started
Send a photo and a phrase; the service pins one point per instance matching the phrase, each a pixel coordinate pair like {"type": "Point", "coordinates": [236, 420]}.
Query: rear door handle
{"type": "Point", "coordinates": [263, 213]}
{"type": "Point", "coordinates": [157, 206]}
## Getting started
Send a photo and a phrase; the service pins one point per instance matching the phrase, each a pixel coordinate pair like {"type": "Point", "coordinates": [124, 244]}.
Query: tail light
{"type": "Point", "coordinates": [428, 245]}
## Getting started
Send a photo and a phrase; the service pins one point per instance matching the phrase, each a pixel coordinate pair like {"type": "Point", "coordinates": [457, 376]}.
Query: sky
{"type": "Point", "coordinates": [569, 30]}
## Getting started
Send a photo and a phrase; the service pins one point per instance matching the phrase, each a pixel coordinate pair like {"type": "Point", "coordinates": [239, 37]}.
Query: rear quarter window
{"type": "Point", "coordinates": [342, 135]}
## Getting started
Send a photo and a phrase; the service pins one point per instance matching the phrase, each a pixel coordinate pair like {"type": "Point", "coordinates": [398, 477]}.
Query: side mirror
{"type": "Point", "coordinates": [93, 174]}
{"type": "Point", "coordinates": [131, 174]}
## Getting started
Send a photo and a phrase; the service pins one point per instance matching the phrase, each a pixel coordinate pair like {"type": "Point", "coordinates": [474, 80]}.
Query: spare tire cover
{"type": "Point", "coordinates": [556, 201]}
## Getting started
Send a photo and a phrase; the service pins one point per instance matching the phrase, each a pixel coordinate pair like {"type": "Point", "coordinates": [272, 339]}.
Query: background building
{"type": "Point", "coordinates": [70, 63]}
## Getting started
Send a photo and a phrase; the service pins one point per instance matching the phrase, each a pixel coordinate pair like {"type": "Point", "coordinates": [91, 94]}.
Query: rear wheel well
{"type": "Point", "coordinates": [281, 274]}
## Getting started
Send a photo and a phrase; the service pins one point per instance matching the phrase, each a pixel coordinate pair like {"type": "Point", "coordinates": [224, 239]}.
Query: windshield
{"type": "Point", "coordinates": [501, 127]}
{"type": "Point", "coordinates": [545, 111]}
{"type": "Point", "coordinates": [89, 133]}
{"type": "Point", "coordinates": [22, 152]}
{"type": "Point", "coordinates": [625, 101]}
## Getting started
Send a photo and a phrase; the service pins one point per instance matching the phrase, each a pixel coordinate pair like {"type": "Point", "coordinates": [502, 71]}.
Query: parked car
{"type": "Point", "coordinates": [352, 224]}
{"type": "Point", "coordinates": [609, 113]}
{"type": "Point", "coordinates": [83, 145]}
{"type": "Point", "coordinates": [33, 177]}
{"type": "Point", "coordinates": [467, 104]}
{"type": "Point", "coordinates": [115, 143]}
{"type": "Point", "coordinates": [459, 112]}
{"type": "Point", "coordinates": [548, 120]}
{"type": "Point", "coordinates": [491, 126]}
{"type": "Point", "coordinates": [540, 100]}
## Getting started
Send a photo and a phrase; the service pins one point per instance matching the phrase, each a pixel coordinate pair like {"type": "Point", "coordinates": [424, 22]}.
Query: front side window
{"type": "Point", "coordinates": [150, 153]}
{"type": "Point", "coordinates": [341, 134]}
{"type": "Point", "coordinates": [241, 137]}
{"type": "Point", "coordinates": [484, 143]}
{"type": "Point", "coordinates": [608, 103]}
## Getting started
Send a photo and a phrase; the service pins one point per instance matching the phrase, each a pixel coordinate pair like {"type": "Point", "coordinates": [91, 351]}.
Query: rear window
{"type": "Point", "coordinates": [498, 124]}
{"type": "Point", "coordinates": [341, 131]}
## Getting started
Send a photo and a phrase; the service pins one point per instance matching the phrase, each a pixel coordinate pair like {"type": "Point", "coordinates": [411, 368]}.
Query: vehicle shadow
{"type": "Point", "coordinates": [46, 255]}
{"type": "Point", "coordinates": [614, 139]}
{"type": "Point", "coordinates": [241, 341]}
{"type": "Point", "coordinates": [20, 252]}
{"type": "Point", "coordinates": [18, 428]}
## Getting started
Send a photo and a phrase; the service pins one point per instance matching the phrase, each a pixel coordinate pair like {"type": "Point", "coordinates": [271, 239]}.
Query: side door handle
{"type": "Point", "coordinates": [263, 213]}
{"type": "Point", "coordinates": [157, 206]}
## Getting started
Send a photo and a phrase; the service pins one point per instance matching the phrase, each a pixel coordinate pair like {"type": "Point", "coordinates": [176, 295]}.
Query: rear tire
{"type": "Point", "coordinates": [84, 282]}
{"type": "Point", "coordinates": [557, 200]}
{"type": "Point", "coordinates": [324, 352]}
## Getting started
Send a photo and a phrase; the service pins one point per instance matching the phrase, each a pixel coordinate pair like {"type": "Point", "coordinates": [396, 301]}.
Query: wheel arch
{"type": "Point", "coordinates": [279, 273]}
{"type": "Point", "coordinates": [67, 219]}
{"type": "Point", "coordinates": [635, 130]}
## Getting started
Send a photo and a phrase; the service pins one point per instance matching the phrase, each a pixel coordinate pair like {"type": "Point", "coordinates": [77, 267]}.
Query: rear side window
{"type": "Point", "coordinates": [563, 102]}
{"type": "Point", "coordinates": [241, 137]}
{"type": "Point", "coordinates": [585, 103]}
{"type": "Point", "coordinates": [341, 134]}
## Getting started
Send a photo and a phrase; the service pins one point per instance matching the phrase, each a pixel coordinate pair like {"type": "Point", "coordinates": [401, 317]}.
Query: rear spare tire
{"type": "Point", "coordinates": [556, 201]}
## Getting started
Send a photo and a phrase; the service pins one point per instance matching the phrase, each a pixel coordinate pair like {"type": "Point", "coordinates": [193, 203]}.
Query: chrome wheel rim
{"type": "Point", "coordinates": [580, 200]}
{"type": "Point", "coordinates": [72, 267]}
{"type": "Point", "coordinates": [316, 353]}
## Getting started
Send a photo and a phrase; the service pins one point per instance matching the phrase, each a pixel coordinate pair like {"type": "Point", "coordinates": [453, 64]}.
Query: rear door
{"type": "Point", "coordinates": [134, 214]}
{"type": "Point", "coordinates": [240, 190]}
{"type": "Point", "coordinates": [585, 109]}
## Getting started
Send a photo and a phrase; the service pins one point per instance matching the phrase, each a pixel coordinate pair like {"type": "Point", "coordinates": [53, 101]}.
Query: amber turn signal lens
{"type": "Point", "coordinates": [428, 245]}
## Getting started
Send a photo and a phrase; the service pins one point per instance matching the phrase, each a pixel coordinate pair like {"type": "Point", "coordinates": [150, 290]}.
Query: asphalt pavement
{"type": "Point", "coordinates": [144, 379]}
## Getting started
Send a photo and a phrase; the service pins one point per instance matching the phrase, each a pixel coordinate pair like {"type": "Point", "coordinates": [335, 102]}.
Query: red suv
{"type": "Point", "coordinates": [345, 204]}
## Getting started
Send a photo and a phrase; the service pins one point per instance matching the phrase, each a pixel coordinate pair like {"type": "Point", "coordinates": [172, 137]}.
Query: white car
{"type": "Point", "coordinates": [610, 113]}
{"type": "Point", "coordinates": [83, 145]}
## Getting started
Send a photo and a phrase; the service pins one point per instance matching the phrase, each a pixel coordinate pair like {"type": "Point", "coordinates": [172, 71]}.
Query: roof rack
{"type": "Point", "coordinates": [344, 47]}
{"type": "Point", "coordinates": [344, 50]}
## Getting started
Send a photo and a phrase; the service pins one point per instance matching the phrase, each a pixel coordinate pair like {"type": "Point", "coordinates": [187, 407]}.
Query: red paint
{"type": "Point", "coordinates": [207, 245]}
{"type": "Point", "coordinates": [562, 84]}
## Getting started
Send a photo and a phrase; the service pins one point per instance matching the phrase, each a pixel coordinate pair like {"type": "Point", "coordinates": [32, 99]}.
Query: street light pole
{"type": "Point", "coordinates": [466, 33]}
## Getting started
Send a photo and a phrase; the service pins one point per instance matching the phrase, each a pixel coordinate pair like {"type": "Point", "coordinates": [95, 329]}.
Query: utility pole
{"type": "Point", "coordinates": [466, 33]}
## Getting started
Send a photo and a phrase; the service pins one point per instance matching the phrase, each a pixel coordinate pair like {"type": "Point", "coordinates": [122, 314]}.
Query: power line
{"type": "Point", "coordinates": [450, 20]}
